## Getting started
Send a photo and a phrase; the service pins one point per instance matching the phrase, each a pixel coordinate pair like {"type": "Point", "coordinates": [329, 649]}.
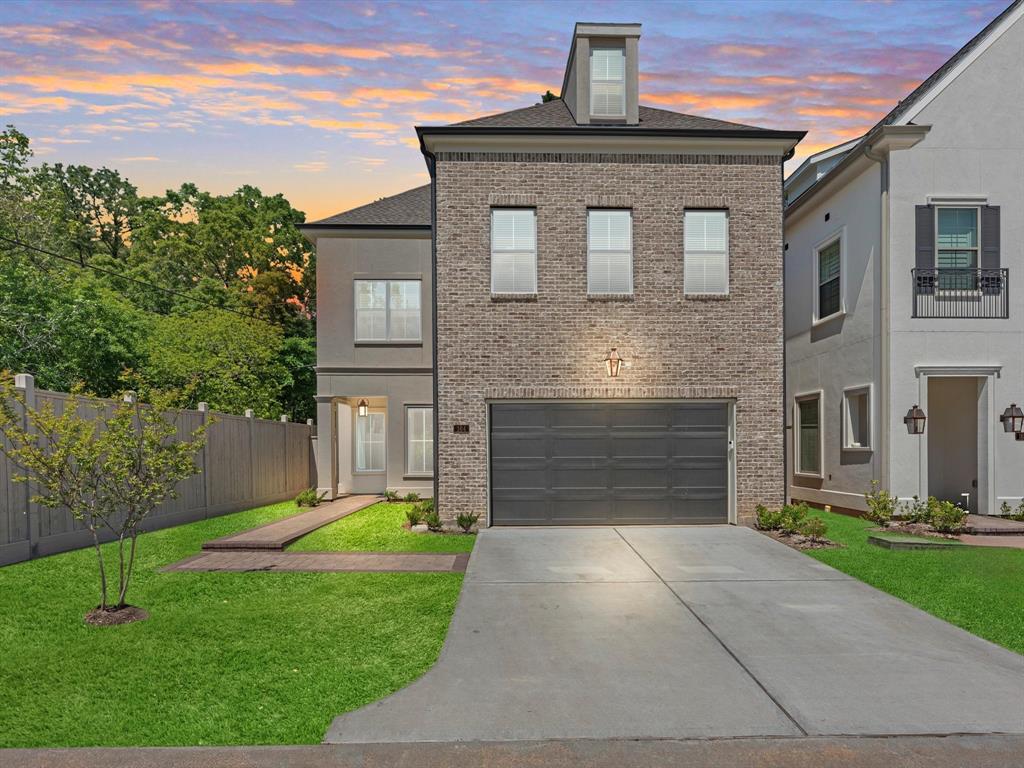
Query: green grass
{"type": "Point", "coordinates": [379, 528]}
{"type": "Point", "coordinates": [978, 588]}
{"type": "Point", "coordinates": [225, 658]}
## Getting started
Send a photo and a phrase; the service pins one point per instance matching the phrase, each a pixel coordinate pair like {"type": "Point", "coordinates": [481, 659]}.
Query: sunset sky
{"type": "Point", "coordinates": [318, 99]}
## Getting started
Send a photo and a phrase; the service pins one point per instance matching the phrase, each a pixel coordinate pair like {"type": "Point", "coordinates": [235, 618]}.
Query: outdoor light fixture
{"type": "Point", "coordinates": [914, 420]}
{"type": "Point", "coordinates": [1013, 419]}
{"type": "Point", "coordinates": [1019, 436]}
{"type": "Point", "coordinates": [613, 362]}
{"type": "Point", "coordinates": [363, 408]}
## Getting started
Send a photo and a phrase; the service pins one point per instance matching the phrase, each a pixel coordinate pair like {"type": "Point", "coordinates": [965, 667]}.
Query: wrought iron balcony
{"type": "Point", "coordinates": [961, 293]}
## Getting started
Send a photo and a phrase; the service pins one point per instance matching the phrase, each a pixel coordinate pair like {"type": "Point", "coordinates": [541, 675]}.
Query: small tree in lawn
{"type": "Point", "coordinates": [109, 464]}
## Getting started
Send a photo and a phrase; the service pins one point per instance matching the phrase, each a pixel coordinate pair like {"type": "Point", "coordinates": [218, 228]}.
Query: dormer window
{"type": "Point", "coordinates": [607, 82]}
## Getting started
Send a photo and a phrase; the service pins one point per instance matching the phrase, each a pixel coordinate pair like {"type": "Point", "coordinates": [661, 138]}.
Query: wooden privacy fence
{"type": "Point", "coordinates": [247, 462]}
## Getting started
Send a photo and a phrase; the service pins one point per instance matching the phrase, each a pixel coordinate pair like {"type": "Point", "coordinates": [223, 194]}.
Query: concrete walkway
{"type": "Point", "coordinates": [904, 752]}
{"type": "Point", "coordinates": [401, 562]}
{"type": "Point", "coordinates": [639, 633]}
{"type": "Point", "coordinates": [280, 533]}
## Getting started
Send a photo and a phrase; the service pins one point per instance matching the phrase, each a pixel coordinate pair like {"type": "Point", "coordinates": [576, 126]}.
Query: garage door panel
{"type": "Point", "coordinates": [608, 463]}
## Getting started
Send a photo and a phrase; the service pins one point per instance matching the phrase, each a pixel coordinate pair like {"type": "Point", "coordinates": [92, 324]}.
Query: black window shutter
{"type": "Point", "coordinates": [924, 236]}
{"type": "Point", "coordinates": [990, 282]}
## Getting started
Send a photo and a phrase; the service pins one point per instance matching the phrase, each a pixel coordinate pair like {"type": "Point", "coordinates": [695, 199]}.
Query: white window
{"type": "Point", "coordinates": [706, 252]}
{"type": "Point", "coordinates": [956, 248]}
{"type": "Point", "coordinates": [370, 456]}
{"type": "Point", "coordinates": [828, 274]}
{"type": "Point", "coordinates": [608, 82]}
{"type": "Point", "coordinates": [808, 434]}
{"type": "Point", "coordinates": [419, 432]}
{"type": "Point", "coordinates": [513, 250]}
{"type": "Point", "coordinates": [857, 419]}
{"type": "Point", "coordinates": [388, 310]}
{"type": "Point", "coordinates": [609, 252]}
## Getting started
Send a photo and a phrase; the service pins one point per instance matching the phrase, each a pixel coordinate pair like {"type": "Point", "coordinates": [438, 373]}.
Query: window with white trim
{"type": "Point", "coordinates": [829, 297]}
{"type": "Point", "coordinates": [808, 435]}
{"type": "Point", "coordinates": [419, 435]}
{"type": "Point", "coordinates": [857, 418]}
{"type": "Point", "coordinates": [706, 252]}
{"type": "Point", "coordinates": [370, 455]}
{"type": "Point", "coordinates": [513, 250]}
{"type": "Point", "coordinates": [609, 252]}
{"type": "Point", "coordinates": [607, 82]}
{"type": "Point", "coordinates": [388, 311]}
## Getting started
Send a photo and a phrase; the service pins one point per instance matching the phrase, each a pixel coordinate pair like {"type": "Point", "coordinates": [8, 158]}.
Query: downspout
{"type": "Point", "coordinates": [883, 317]}
{"type": "Point", "coordinates": [785, 384]}
{"type": "Point", "coordinates": [432, 169]}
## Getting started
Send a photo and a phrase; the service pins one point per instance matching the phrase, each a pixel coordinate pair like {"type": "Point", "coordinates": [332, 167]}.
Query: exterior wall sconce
{"type": "Point", "coordinates": [1019, 436]}
{"type": "Point", "coordinates": [1013, 419]}
{"type": "Point", "coordinates": [363, 408]}
{"type": "Point", "coordinates": [915, 420]}
{"type": "Point", "coordinates": [613, 363]}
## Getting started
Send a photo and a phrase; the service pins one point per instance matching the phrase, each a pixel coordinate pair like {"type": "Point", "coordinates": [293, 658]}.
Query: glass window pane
{"type": "Point", "coordinates": [705, 231]}
{"type": "Point", "coordinates": [420, 436]}
{"type": "Point", "coordinates": [610, 230]}
{"type": "Point", "coordinates": [828, 262]}
{"type": "Point", "coordinates": [958, 228]}
{"type": "Point", "coordinates": [808, 437]}
{"type": "Point", "coordinates": [370, 453]}
{"type": "Point", "coordinates": [828, 298]}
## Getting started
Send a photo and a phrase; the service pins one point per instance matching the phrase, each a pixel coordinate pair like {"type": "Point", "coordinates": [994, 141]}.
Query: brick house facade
{"type": "Point", "coordinates": [552, 346]}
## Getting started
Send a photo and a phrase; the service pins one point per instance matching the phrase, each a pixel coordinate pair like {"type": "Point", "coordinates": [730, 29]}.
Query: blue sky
{"type": "Point", "coordinates": [318, 99]}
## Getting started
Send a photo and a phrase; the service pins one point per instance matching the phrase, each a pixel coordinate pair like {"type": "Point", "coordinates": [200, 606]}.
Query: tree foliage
{"type": "Point", "coordinates": [109, 464]}
{"type": "Point", "coordinates": [148, 271]}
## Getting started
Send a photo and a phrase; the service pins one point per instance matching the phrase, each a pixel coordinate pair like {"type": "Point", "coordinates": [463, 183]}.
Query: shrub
{"type": "Point", "coordinates": [813, 528]}
{"type": "Point", "coordinates": [915, 511]}
{"type": "Point", "coordinates": [411, 496]}
{"type": "Point", "coordinates": [427, 505]}
{"type": "Point", "coordinates": [787, 519]}
{"type": "Point", "coordinates": [945, 516]}
{"type": "Point", "coordinates": [310, 498]}
{"type": "Point", "coordinates": [881, 504]}
{"type": "Point", "coordinates": [433, 520]}
{"type": "Point", "coordinates": [466, 522]}
{"type": "Point", "coordinates": [414, 515]}
{"type": "Point", "coordinates": [390, 495]}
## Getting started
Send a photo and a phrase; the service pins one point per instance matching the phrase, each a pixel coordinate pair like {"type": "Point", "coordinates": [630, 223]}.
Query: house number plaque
{"type": "Point", "coordinates": [461, 429]}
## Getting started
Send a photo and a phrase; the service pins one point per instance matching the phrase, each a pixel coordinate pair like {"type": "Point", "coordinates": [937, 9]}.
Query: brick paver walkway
{"type": "Point", "coordinates": [279, 534]}
{"type": "Point", "coordinates": [252, 560]}
{"type": "Point", "coordinates": [992, 525]}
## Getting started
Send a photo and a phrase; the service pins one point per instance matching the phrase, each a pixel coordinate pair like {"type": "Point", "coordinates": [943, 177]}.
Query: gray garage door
{"type": "Point", "coordinates": [609, 463]}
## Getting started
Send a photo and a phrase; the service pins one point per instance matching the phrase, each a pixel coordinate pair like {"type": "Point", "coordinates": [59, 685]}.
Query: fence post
{"type": "Point", "coordinates": [204, 413]}
{"type": "Point", "coordinates": [251, 416]}
{"type": "Point", "coordinates": [26, 382]}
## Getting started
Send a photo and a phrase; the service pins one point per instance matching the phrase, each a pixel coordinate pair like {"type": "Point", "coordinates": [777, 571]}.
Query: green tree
{"type": "Point", "coordinates": [109, 464]}
{"type": "Point", "coordinates": [230, 362]}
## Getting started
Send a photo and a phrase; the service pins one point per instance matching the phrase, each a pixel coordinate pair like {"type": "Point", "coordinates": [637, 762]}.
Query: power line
{"type": "Point", "coordinates": [135, 280]}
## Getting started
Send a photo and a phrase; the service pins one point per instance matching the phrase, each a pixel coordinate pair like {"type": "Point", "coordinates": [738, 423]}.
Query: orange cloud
{"type": "Point", "coordinates": [709, 101]}
{"type": "Point", "coordinates": [840, 112]}
{"type": "Point", "coordinates": [385, 95]}
{"type": "Point", "coordinates": [741, 50]}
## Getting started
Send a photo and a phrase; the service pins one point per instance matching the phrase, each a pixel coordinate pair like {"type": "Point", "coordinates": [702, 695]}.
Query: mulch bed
{"type": "Point", "coordinates": [913, 529]}
{"type": "Point", "coordinates": [801, 542]}
{"type": "Point", "coordinates": [110, 618]}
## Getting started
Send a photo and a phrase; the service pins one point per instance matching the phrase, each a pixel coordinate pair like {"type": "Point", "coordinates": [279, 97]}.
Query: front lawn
{"type": "Point", "coordinates": [226, 658]}
{"type": "Point", "coordinates": [978, 588]}
{"type": "Point", "coordinates": [379, 528]}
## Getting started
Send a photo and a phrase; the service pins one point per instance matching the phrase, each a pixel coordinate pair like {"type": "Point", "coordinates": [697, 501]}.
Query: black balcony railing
{"type": "Point", "coordinates": [961, 292]}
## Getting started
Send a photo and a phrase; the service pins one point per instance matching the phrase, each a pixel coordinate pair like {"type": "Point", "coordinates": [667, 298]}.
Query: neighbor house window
{"type": "Point", "coordinates": [370, 455]}
{"type": "Point", "coordinates": [608, 82]}
{"type": "Point", "coordinates": [388, 310]}
{"type": "Point", "coordinates": [956, 247]}
{"type": "Point", "coordinates": [857, 418]}
{"type": "Point", "coordinates": [513, 250]}
{"type": "Point", "coordinates": [609, 252]}
{"type": "Point", "coordinates": [829, 297]}
{"type": "Point", "coordinates": [419, 431]}
{"type": "Point", "coordinates": [808, 435]}
{"type": "Point", "coordinates": [705, 252]}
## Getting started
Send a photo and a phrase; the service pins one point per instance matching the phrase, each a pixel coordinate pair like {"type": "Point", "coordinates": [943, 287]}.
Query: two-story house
{"type": "Point", "coordinates": [600, 326]}
{"type": "Point", "coordinates": [904, 340]}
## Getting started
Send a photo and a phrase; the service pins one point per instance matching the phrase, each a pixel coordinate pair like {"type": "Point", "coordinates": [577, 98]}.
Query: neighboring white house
{"type": "Point", "coordinates": [905, 287]}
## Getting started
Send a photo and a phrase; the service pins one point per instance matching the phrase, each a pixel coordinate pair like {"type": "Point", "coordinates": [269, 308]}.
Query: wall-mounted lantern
{"type": "Point", "coordinates": [915, 420]}
{"type": "Point", "coordinates": [363, 408]}
{"type": "Point", "coordinates": [1019, 436]}
{"type": "Point", "coordinates": [613, 363]}
{"type": "Point", "coordinates": [1013, 419]}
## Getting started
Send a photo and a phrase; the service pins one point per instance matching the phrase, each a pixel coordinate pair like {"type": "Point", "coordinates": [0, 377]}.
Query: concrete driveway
{"type": "Point", "coordinates": [670, 632]}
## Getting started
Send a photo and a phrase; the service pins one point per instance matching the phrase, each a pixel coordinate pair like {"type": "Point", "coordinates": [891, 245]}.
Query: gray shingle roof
{"type": "Point", "coordinates": [406, 209]}
{"type": "Point", "coordinates": [555, 114]}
